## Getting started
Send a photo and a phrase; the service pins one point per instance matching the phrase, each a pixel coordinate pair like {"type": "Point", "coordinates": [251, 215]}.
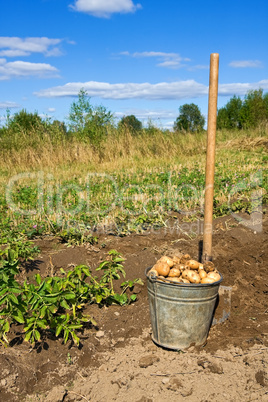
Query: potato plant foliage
{"type": "Point", "coordinates": [55, 304]}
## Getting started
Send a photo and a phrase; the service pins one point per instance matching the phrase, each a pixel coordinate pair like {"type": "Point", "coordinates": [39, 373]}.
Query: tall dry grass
{"type": "Point", "coordinates": [65, 155]}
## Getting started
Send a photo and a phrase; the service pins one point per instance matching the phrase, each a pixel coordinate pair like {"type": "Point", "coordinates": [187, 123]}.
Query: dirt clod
{"type": "Point", "coordinates": [174, 384]}
{"type": "Point", "coordinates": [261, 378]}
{"type": "Point", "coordinates": [215, 368]}
{"type": "Point", "coordinates": [147, 361]}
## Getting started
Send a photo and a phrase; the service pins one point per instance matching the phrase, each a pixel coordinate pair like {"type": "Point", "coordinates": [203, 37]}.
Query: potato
{"type": "Point", "coordinates": [192, 276]}
{"type": "Point", "coordinates": [162, 268]}
{"type": "Point", "coordinates": [192, 264]}
{"type": "Point", "coordinates": [209, 266]}
{"type": "Point", "coordinates": [176, 259]}
{"type": "Point", "coordinates": [202, 273]}
{"type": "Point", "coordinates": [167, 260]}
{"type": "Point", "coordinates": [184, 258]}
{"type": "Point", "coordinates": [207, 280]}
{"type": "Point", "coordinates": [174, 272]}
{"type": "Point", "coordinates": [184, 280]}
{"type": "Point", "coordinates": [152, 272]}
{"type": "Point", "coordinates": [175, 279]}
{"type": "Point", "coordinates": [214, 275]}
{"type": "Point", "coordinates": [161, 278]}
{"type": "Point", "coordinates": [211, 278]}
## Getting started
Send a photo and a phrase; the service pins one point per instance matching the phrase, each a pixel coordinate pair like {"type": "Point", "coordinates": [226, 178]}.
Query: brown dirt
{"type": "Point", "coordinates": [118, 360]}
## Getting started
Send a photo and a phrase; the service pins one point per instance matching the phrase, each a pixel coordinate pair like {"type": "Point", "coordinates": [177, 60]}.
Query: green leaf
{"type": "Point", "coordinates": [41, 324]}
{"type": "Point", "coordinates": [38, 279]}
{"type": "Point", "coordinates": [102, 264]}
{"type": "Point", "coordinates": [64, 304]}
{"type": "Point", "coordinates": [6, 326]}
{"type": "Point", "coordinates": [13, 298]}
{"type": "Point", "coordinates": [133, 297]}
{"type": "Point", "coordinates": [28, 336]}
{"type": "Point", "coordinates": [58, 330]}
{"type": "Point", "coordinates": [3, 299]}
{"type": "Point", "coordinates": [75, 338]}
{"type": "Point", "coordinates": [98, 299]}
{"type": "Point", "coordinates": [86, 271]}
{"type": "Point", "coordinates": [37, 335]}
{"type": "Point", "coordinates": [66, 335]}
{"type": "Point", "coordinates": [43, 312]}
{"type": "Point", "coordinates": [53, 309]}
{"type": "Point", "coordinates": [18, 317]}
{"type": "Point", "coordinates": [118, 259]}
{"type": "Point", "coordinates": [69, 296]}
{"type": "Point", "coordinates": [50, 299]}
{"type": "Point", "coordinates": [75, 326]}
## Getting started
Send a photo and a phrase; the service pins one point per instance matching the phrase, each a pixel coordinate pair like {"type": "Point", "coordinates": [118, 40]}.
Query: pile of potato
{"type": "Point", "coordinates": [183, 269]}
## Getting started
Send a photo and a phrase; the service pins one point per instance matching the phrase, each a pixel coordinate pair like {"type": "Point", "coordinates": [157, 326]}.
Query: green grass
{"type": "Point", "coordinates": [131, 183]}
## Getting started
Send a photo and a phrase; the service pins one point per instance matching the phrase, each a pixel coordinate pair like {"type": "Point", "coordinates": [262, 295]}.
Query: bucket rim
{"type": "Point", "coordinates": [182, 284]}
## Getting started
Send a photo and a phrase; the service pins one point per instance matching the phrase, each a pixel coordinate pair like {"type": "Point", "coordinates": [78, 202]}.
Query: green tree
{"type": "Point", "coordinates": [130, 123]}
{"type": "Point", "coordinates": [88, 121]}
{"type": "Point", "coordinates": [190, 119]}
{"type": "Point", "coordinates": [24, 120]}
{"type": "Point", "coordinates": [254, 109]}
{"type": "Point", "coordinates": [59, 125]}
{"type": "Point", "coordinates": [229, 115]}
{"type": "Point", "coordinates": [79, 111]}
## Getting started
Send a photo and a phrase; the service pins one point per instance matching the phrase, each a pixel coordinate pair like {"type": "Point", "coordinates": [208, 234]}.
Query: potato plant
{"type": "Point", "coordinates": [57, 303]}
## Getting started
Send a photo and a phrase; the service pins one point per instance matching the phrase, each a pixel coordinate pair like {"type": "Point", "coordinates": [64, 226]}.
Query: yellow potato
{"type": "Point", "coordinates": [161, 278]}
{"type": "Point", "coordinates": [207, 280]}
{"type": "Point", "coordinates": [153, 272]}
{"type": "Point", "coordinates": [184, 280]}
{"type": "Point", "coordinates": [192, 264]}
{"type": "Point", "coordinates": [174, 272]}
{"type": "Point", "coordinates": [167, 260]}
{"type": "Point", "coordinates": [176, 259]}
{"type": "Point", "coordinates": [191, 276]}
{"type": "Point", "coordinates": [162, 268]}
{"type": "Point", "coordinates": [175, 279]}
{"type": "Point", "coordinates": [184, 258]}
{"type": "Point", "coordinates": [202, 273]}
{"type": "Point", "coordinates": [209, 266]}
{"type": "Point", "coordinates": [214, 275]}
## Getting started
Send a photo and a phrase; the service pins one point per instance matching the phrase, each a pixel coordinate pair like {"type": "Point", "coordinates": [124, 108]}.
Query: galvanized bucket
{"type": "Point", "coordinates": [181, 314]}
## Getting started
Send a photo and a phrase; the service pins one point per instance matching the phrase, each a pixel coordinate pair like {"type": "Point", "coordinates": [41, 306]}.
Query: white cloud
{"type": "Point", "coordinates": [16, 47]}
{"type": "Point", "coordinates": [104, 8]}
{"type": "Point", "coordinates": [17, 69]}
{"type": "Point", "coordinates": [8, 105]}
{"type": "Point", "coordinates": [104, 90]}
{"type": "Point", "coordinates": [246, 64]}
{"type": "Point", "coordinates": [51, 109]}
{"type": "Point", "coordinates": [163, 90]}
{"type": "Point", "coordinates": [167, 60]}
{"type": "Point", "coordinates": [241, 89]}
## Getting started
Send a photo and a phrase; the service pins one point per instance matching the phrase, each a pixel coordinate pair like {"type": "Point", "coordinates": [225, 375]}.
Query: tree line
{"type": "Point", "coordinates": [92, 122]}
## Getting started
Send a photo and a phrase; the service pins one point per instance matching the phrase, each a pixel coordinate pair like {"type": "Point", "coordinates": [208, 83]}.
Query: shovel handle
{"type": "Point", "coordinates": [210, 163]}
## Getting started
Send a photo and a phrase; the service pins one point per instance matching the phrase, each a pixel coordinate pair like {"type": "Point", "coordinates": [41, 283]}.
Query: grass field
{"type": "Point", "coordinates": [52, 184]}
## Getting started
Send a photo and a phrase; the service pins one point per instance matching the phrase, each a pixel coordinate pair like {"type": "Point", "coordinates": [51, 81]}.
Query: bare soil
{"type": "Point", "coordinates": [118, 360]}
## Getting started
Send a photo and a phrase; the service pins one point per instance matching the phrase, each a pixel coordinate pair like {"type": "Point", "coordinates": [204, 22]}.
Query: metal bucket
{"type": "Point", "coordinates": [181, 314]}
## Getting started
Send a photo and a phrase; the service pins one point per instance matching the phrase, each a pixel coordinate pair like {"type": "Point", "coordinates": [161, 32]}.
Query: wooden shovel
{"type": "Point", "coordinates": [224, 307]}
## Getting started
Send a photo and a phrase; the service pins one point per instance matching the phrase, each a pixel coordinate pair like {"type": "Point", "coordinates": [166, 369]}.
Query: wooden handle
{"type": "Point", "coordinates": [210, 164]}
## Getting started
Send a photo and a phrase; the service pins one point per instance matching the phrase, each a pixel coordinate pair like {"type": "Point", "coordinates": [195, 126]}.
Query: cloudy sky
{"type": "Point", "coordinates": [144, 57]}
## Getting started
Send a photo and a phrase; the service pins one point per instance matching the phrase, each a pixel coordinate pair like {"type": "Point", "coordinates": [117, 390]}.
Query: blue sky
{"type": "Point", "coordinates": [144, 57]}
